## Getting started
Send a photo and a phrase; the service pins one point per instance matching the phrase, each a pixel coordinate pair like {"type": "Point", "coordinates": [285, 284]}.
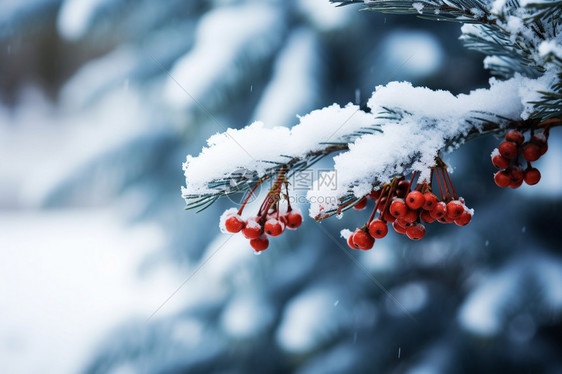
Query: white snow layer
{"type": "Point", "coordinates": [253, 146]}
{"type": "Point", "coordinates": [413, 142]}
{"type": "Point", "coordinates": [551, 47]}
{"type": "Point", "coordinates": [429, 120]}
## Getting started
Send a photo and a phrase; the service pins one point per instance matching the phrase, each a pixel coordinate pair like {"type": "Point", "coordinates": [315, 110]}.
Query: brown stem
{"type": "Point", "coordinates": [451, 183]}
{"type": "Point", "coordinates": [447, 194]}
{"type": "Point", "coordinates": [438, 182]}
{"type": "Point", "coordinates": [383, 191]}
{"type": "Point", "coordinates": [390, 192]}
{"type": "Point", "coordinates": [412, 180]}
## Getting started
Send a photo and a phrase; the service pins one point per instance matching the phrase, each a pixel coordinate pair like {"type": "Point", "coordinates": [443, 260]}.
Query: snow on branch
{"type": "Point", "coordinates": [431, 122]}
{"type": "Point", "coordinates": [405, 130]}
{"type": "Point", "coordinates": [236, 159]}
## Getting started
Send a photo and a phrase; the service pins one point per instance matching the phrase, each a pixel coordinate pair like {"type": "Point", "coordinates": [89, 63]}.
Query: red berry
{"type": "Point", "coordinates": [415, 200]}
{"type": "Point", "coordinates": [234, 224]}
{"type": "Point", "coordinates": [426, 216]}
{"type": "Point", "coordinates": [500, 162]}
{"type": "Point", "coordinates": [538, 139]}
{"type": "Point", "coordinates": [410, 216]}
{"type": "Point", "coordinates": [350, 242]}
{"type": "Point", "coordinates": [544, 148]}
{"type": "Point", "coordinates": [532, 176]}
{"type": "Point", "coordinates": [398, 208]}
{"type": "Point", "coordinates": [402, 188]}
{"type": "Point", "coordinates": [531, 152]}
{"type": "Point", "coordinates": [378, 229]}
{"type": "Point", "coordinates": [253, 229]}
{"type": "Point", "coordinates": [402, 223]}
{"type": "Point", "coordinates": [515, 184]}
{"type": "Point", "coordinates": [430, 201]}
{"type": "Point", "coordinates": [508, 149]}
{"type": "Point", "coordinates": [363, 240]}
{"type": "Point", "coordinates": [293, 220]}
{"type": "Point", "coordinates": [515, 136]}
{"type": "Point", "coordinates": [416, 231]}
{"type": "Point", "coordinates": [260, 243]}
{"type": "Point", "coordinates": [361, 204]}
{"type": "Point", "coordinates": [464, 218]}
{"type": "Point", "coordinates": [374, 195]}
{"type": "Point", "coordinates": [502, 179]}
{"type": "Point", "coordinates": [516, 173]}
{"type": "Point", "coordinates": [446, 219]}
{"type": "Point", "coordinates": [274, 227]}
{"type": "Point", "coordinates": [388, 217]}
{"type": "Point", "coordinates": [454, 209]}
{"type": "Point", "coordinates": [439, 210]}
{"type": "Point", "coordinates": [399, 229]}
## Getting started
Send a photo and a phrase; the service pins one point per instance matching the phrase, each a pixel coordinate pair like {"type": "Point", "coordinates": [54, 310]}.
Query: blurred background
{"type": "Point", "coordinates": [102, 271]}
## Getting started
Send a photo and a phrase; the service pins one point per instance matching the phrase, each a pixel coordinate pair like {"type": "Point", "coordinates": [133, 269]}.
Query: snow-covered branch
{"type": "Point", "coordinates": [406, 128]}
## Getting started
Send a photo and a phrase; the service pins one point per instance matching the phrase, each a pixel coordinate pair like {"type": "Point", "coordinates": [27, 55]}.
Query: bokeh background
{"type": "Point", "coordinates": [102, 271]}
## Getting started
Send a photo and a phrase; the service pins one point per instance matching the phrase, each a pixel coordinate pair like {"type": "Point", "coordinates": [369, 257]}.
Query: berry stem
{"type": "Point", "coordinates": [393, 185]}
{"type": "Point", "coordinates": [289, 208]}
{"type": "Point", "coordinates": [383, 191]}
{"type": "Point", "coordinates": [412, 180]}
{"type": "Point", "coordinates": [439, 183]}
{"type": "Point", "coordinates": [251, 193]}
{"type": "Point", "coordinates": [447, 193]}
{"type": "Point", "coordinates": [451, 183]}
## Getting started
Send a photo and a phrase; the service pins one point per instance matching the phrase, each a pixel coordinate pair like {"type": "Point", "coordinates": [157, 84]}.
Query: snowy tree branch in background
{"type": "Point", "coordinates": [404, 129]}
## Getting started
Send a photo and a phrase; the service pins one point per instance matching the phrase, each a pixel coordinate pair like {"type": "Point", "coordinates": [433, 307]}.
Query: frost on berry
{"type": "Point", "coordinates": [464, 218]}
{"type": "Point", "coordinates": [234, 224]}
{"type": "Point", "coordinates": [455, 208]}
{"type": "Point", "coordinates": [227, 214]}
{"type": "Point", "coordinates": [253, 229]}
{"type": "Point", "coordinates": [293, 219]}
{"type": "Point", "coordinates": [273, 216]}
{"type": "Point", "coordinates": [274, 227]}
{"type": "Point", "coordinates": [515, 136]}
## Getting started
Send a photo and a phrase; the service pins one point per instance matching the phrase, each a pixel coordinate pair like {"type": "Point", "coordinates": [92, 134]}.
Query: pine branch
{"type": "Point", "coordinates": [465, 11]}
{"type": "Point", "coordinates": [244, 179]}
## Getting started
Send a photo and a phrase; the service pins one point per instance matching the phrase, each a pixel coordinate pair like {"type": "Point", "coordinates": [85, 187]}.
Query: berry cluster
{"type": "Point", "coordinates": [407, 208]}
{"type": "Point", "coordinates": [507, 156]}
{"type": "Point", "coordinates": [272, 218]}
